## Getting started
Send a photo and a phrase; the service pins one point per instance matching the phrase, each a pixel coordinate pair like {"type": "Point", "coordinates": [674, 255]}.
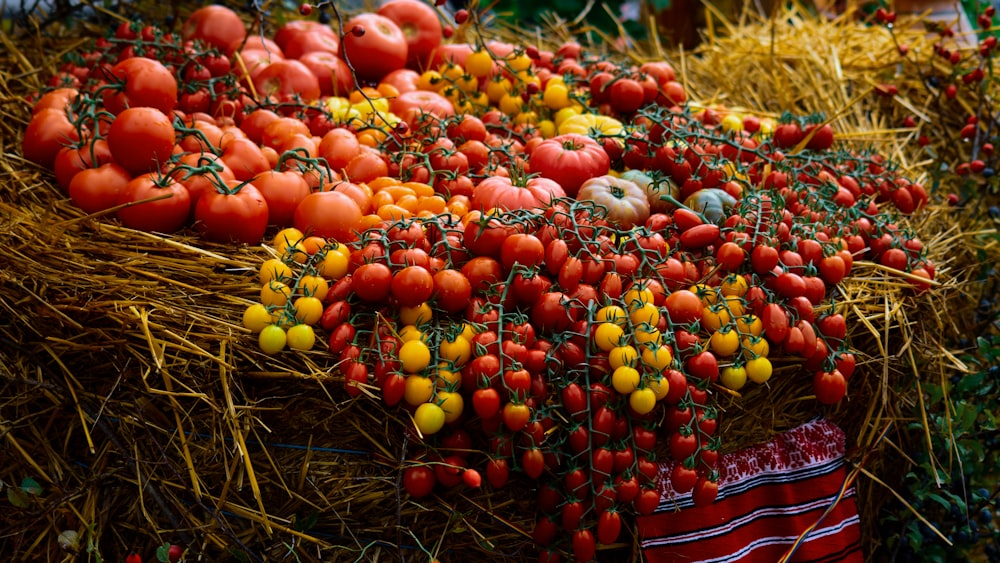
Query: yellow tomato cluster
{"type": "Point", "coordinates": [637, 352]}
{"type": "Point", "coordinates": [432, 383]}
{"type": "Point", "coordinates": [734, 333]}
{"type": "Point", "coordinates": [293, 286]}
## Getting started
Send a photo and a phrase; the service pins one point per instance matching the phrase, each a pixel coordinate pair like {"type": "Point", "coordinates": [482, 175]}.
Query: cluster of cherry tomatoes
{"type": "Point", "coordinates": [560, 242]}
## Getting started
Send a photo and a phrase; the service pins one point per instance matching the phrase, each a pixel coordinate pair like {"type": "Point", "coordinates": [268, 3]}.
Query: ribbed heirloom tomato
{"type": "Point", "coordinates": [570, 160]}
{"type": "Point", "coordinates": [419, 24]}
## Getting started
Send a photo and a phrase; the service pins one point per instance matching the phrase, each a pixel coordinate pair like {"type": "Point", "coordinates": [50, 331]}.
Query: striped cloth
{"type": "Point", "coordinates": [786, 500]}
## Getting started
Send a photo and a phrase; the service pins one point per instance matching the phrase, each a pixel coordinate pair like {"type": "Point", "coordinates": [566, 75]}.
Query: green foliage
{"type": "Point", "coordinates": [955, 484]}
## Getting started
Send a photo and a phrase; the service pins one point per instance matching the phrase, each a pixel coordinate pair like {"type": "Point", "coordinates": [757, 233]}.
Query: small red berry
{"type": "Point", "coordinates": [174, 553]}
{"type": "Point", "coordinates": [955, 57]}
{"type": "Point", "coordinates": [962, 169]}
{"type": "Point", "coordinates": [532, 52]}
{"type": "Point", "coordinates": [990, 11]}
{"type": "Point", "coordinates": [532, 88]}
{"type": "Point", "coordinates": [904, 50]}
{"type": "Point", "coordinates": [923, 140]}
{"type": "Point", "coordinates": [968, 131]}
{"type": "Point", "coordinates": [461, 16]}
{"type": "Point", "coordinates": [447, 31]}
{"type": "Point", "coordinates": [985, 21]}
{"type": "Point", "coordinates": [951, 91]}
{"type": "Point", "coordinates": [305, 9]}
{"type": "Point", "coordinates": [440, 2]}
{"type": "Point", "coordinates": [133, 558]}
{"type": "Point", "coordinates": [909, 122]}
{"type": "Point", "coordinates": [953, 199]}
{"type": "Point", "coordinates": [358, 31]}
{"type": "Point", "coordinates": [972, 119]}
{"type": "Point", "coordinates": [987, 148]}
{"type": "Point", "coordinates": [977, 166]}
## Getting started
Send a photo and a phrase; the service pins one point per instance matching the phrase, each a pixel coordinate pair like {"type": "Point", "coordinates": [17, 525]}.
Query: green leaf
{"type": "Point", "coordinates": [163, 553]}
{"type": "Point", "coordinates": [18, 497]}
{"type": "Point", "coordinates": [970, 383]}
{"type": "Point", "coordinates": [940, 500]}
{"type": "Point", "coordinates": [31, 486]}
{"type": "Point", "coordinates": [971, 450]}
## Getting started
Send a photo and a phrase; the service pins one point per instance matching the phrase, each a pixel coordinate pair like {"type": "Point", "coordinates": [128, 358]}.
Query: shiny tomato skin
{"type": "Point", "coordinates": [165, 215]}
{"type": "Point", "coordinates": [331, 215]}
{"type": "Point", "coordinates": [240, 216]}
{"type": "Point", "coordinates": [420, 26]}
{"type": "Point", "coordinates": [419, 481]}
{"type": "Point", "coordinates": [97, 189]}
{"type": "Point", "coordinates": [141, 139]}
{"type": "Point", "coordinates": [285, 80]}
{"type": "Point", "coordinates": [47, 133]}
{"type": "Point", "coordinates": [380, 50]}
{"type": "Point", "coordinates": [144, 83]}
{"type": "Point", "coordinates": [217, 25]}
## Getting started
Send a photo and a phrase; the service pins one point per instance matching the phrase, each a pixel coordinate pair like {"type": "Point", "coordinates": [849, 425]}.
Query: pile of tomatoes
{"type": "Point", "coordinates": [552, 261]}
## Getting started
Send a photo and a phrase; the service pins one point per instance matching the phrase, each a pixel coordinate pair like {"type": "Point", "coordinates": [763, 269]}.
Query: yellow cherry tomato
{"type": "Point", "coordinates": [647, 316]}
{"type": "Point", "coordinates": [642, 401]}
{"type": "Point", "coordinates": [308, 310]}
{"type": "Point", "coordinates": [715, 317]}
{"type": "Point", "coordinates": [733, 377]}
{"type": "Point", "coordinates": [256, 317]}
{"type": "Point", "coordinates": [759, 369]}
{"type": "Point", "coordinates": [749, 324]}
{"type": "Point", "coordinates": [429, 418]}
{"type": "Point", "coordinates": [272, 339]}
{"type": "Point", "coordinates": [419, 389]}
{"type": "Point", "coordinates": [660, 386]}
{"type": "Point", "coordinates": [301, 337]}
{"type": "Point", "coordinates": [622, 356]}
{"type": "Point", "coordinates": [646, 335]}
{"type": "Point", "coordinates": [608, 335]}
{"type": "Point", "coordinates": [658, 357]}
{"type": "Point", "coordinates": [313, 286]}
{"type": "Point", "coordinates": [333, 266]}
{"type": "Point", "coordinates": [414, 356]}
{"type": "Point", "coordinates": [756, 346]}
{"type": "Point", "coordinates": [447, 377]}
{"type": "Point", "coordinates": [625, 379]}
{"type": "Point", "coordinates": [611, 314]}
{"type": "Point", "coordinates": [416, 315]}
{"type": "Point", "coordinates": [734, 284]}
{"type": "Point", "coordinates": [452, 404]}
{"type": "Point", "coordinates": [286, 237]}
{"type": "Point", "coordinates": [636, 297]}
{"type": "Point", "coordinates": [724, 342]}
{"type": "Point", "coordinates": [274, 270]}
{"type": "Point", "coordinates": [556, 96]}
{"type": "Point", "coordinates": [479, 63]}
{"type": "Point", "coordinates": [457, 351]}
{"type": "Point", "coordinates": [275, 294]}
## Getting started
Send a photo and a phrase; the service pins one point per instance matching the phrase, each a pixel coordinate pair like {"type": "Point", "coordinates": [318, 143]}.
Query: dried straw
{"type": "Point", "coordinates": [131, 392]}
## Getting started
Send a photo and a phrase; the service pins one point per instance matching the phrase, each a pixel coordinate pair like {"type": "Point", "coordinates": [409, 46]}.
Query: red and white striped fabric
{"type": "Point", "coordinates": [785, 500]}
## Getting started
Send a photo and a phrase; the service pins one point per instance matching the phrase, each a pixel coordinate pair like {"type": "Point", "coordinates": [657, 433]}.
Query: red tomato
{"type": "Point", "coordinates": [166, 213]}
{"type": "Point", "coordinates": [497, 472]}
{"type": "Point", "coordinates": [143, 83]}
{"type": "Point", "coordinates": [501, 192]}
{"type": "Point", "coordinates": [829, 386]}
{"type": "Point", "coordinates": [236, 212]}
{"type": "Point", "coordinates": [412, 106]}
{"type": "Point", "coordinates": [283, 191]}
{"type": "Point", "coordinates": [331, 72]}
{"type": "Point", "coordinates": [419, 24]}
{"type": "Point", "coordinates": [300, 43]}
{"type": "Point", "coordinates": [403, 80]}
{"type": "Point", "coordinates": [72, 159]}
{"type": "Point", "coordinates": [683, 479]}
{"type": "Point", "coordinates": [419, 481]}
{"type": "Point", "coordinates": [330, 215]}
{"type": "Point", "coordinates": [141, 139]}
{"type": "Point", "coordinates": [570, 160]}
{"type": "Point", "coordinates": [284, 80]}
{"type": "Point", "coordinates": [704, 492]}
{"type": "Point", "coordinates": [486, 402]}
{"type": "Point", "coordinates": [452, 52]}
{"type": "Point", "coordinates": [684, 307]}
{"type": "Point", "coordinates": [412, 286]}
{"type": "Point", "coordinates": [609, 526]}
{"type": "Point", "coordinates": [216, 25]}
{"type": "Point", "coordinates": [523, 249]}
{"type": "Point", "coordinates": [376, 52]}
{"type": "Point", "coordinates": [452, 290]}
{"type": "Point", "coordinates": [584, 547]}
{"type": "Point", "coordinates": [48, 132]}
{"type": "Point", "coordinates": [97, 189]}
